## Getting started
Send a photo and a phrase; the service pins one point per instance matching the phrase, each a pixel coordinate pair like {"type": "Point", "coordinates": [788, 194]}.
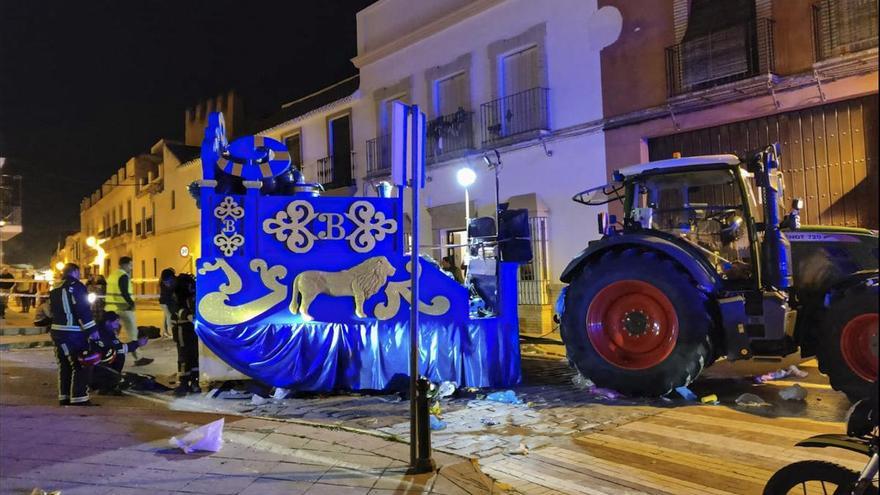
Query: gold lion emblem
{"type": "Point", "coordinates": [361, 281]}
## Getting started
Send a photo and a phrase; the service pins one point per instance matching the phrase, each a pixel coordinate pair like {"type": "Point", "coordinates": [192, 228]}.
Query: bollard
{"type": "Point", "coordinates": [424, 463]}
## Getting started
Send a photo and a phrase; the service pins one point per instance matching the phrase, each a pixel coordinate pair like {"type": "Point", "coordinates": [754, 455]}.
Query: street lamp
{"type": "Point", "coordinates": [466, 178]}
{"type": "Point", "coordinates": [59, 266]}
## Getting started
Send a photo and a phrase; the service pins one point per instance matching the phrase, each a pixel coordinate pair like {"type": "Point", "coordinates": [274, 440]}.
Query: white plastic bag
{"type": "Point", "coordinates": [208, 438]}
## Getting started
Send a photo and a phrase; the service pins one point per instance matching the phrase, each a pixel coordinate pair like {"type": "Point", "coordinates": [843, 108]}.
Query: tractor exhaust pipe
{"type": "Point", "coordinates": [776, 248]}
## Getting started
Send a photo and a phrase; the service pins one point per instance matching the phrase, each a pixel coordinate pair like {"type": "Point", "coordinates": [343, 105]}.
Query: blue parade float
{"type": "Point", "coordinates": [312, 293]}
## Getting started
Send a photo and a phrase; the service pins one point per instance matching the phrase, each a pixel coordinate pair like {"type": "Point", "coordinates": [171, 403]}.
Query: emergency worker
{"type": "Point", "coordinates": [185, 336]}
{"type": "Point", "coordinates": [71, 325]}
{"type": "Point", "coordinates": [107, 375]}
{"type": "Point", "coordinates": [119, 300]}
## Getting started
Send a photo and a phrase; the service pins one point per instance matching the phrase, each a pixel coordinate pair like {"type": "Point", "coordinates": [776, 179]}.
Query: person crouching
{"type": "Point", "coordinates": [185, 336]}
{"type": "Point", "coordinates": [107, 375]}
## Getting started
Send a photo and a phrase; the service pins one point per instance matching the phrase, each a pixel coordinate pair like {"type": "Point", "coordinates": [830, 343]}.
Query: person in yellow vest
{"type": "Point", "coordinates": [118, 299]}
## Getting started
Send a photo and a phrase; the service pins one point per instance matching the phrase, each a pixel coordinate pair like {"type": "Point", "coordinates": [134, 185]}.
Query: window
{"type": "Point", "coordinates": [450, 94]}
{"type": "Point", "coordinates": [294, 147]}
{"type": "Point", "coordinates": [519, 71]}
{"type": "Point", "coordinates": [339, 136]}
{"type": "Point", "coordinates": [143, 276]}
{"type": "Point", "coordinates": [155, 267]}
{"type": "Point", "coordinates": [172, 200]}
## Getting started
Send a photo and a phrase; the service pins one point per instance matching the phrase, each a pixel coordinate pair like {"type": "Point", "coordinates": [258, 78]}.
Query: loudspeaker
{"type": "Point", "coordinates": [514, 236]}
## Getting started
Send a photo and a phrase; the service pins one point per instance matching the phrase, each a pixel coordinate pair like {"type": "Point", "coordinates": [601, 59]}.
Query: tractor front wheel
{"type": "Point", "coordinates": [848, 350]}
{"type": "Point", "coordinates": [635, 322]}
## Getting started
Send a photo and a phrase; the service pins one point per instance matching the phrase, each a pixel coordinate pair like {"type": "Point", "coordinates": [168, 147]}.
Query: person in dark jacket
{"type": "Point", "coordinates": [72, 323]}
{"type": "Point", "coordinates": [107, 375]}
{"type": "Point", "coordinates": [185, 336]}
{"type": "Point", "coordinates": [166, 300]}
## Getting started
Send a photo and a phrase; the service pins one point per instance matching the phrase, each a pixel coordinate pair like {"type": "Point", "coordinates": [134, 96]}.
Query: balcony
{"type": "Point", "coordinates": [737, 52]}
{"type": "Point", "coordinates": [450, 135]}
{"type": "Point", "coordinates": [10, 206]}
{"type": "Point", "coordinates": [379, 156]}
{"type": "Point", "coordinates": [515, 116]}
{"type": "Point", "coordinates": [330, 174]}
{"type": "Point", "coordinates": [844, 26]}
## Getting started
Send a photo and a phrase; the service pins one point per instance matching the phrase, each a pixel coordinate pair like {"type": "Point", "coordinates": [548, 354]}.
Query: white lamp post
{"type": "Point", "coordinates": [466, 177]}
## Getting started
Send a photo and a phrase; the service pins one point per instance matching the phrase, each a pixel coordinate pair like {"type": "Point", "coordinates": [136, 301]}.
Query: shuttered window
{"type": "Point", "coordinates": [450, 95]}
{"type": "Point", "coordinates": [519, 71]}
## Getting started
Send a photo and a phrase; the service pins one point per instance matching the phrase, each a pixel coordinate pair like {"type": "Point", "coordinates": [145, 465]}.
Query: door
{"type": "Point", "coordinates": [340, 150]}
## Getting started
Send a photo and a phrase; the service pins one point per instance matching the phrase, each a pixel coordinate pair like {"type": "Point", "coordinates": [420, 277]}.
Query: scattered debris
{"type": "Point", "coordinates": [780, 374]}
{"type": "Point", "coordinates": [280, 393]}
{"type": "Point", "coordinates": [445, 389]}
{"type": "Point", "coordinates": [521, 450]}
{"type": "Point", "coordinates": [582, 382]}
{"type": "Point", "coordinates": [773, 375]}
{"type": "Point", "coordinates": [795, 371]}
{"type": "Point", "coordinates": [208, 438]}
{"type": "Point", "coordinates": [391, 398]}
{"type": "Point", "coordinates": [604, 393]}
{"type": "Point", "coordinates": [794, 392]}
{"type": "Point", "coordinates": [232, 395]}
{"type": "Point", "coordinates": [437, 424]}
{"type": "Point", "coordinates": [435, 409]}
{"type": "Point", "coordinates": [507, 397]}
{"type": "Point", "coordinates": [751, 400]}
{"type": "Point", "coordinates": [686, 394]}
{"type": "Point", "coordinates": [489, 421]}
{"type": "Point", "coordinates": [258, 400]}
{"type": "Point", "coordinates": [709, 399]}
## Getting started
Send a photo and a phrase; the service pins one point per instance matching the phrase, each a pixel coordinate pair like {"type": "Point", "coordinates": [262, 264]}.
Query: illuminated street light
{"type": "Point", "coordinates": [92, 297]}
{"type": "Point", "coordinates": [466, 178]}
{"type": "Point", "coordinates": [59, 266]}
{"type": "Point", "coordinates": [95, 244]}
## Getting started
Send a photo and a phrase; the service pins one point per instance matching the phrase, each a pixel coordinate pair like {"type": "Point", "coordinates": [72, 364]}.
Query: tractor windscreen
{"type": "Point", "coordinates": [703, 207]}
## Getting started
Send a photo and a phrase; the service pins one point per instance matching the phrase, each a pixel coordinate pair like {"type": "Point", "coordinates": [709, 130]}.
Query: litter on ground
{"type": "Point", "coordinates": [437, 423]}
{"type": "Point", "coordinates": [709, 399]}
{"type": "Point", "coordinates": [507, 397]}
{"type": "Point", "coordinates": [780, 374]}
{"type": "Point", "coordinates": [258, 400]}
{"type": "Point", "coordinates": [794, 392]}
{"type": "Point", "coordinates": [751, 400]}
{"type": "Point", "coordinates": [207, 438]}
{"type": "Point", "coordinates": [686, 394]}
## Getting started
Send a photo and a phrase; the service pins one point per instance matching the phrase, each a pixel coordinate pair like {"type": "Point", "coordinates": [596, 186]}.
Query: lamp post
{"type": "Point", "coordinates": [466, 178]}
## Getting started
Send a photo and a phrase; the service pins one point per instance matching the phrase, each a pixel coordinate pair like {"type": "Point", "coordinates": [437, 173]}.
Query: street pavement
{"type": "Point", "coordinates": [123, 447]}
{"type": "Point", "coordinates": [564, 439]}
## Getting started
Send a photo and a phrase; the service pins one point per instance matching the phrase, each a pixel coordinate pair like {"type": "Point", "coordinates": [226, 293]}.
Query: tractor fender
{"type": "Point", "coordinates": [690, 259]}
{"type": "Point", "coordinates": [866, 278]}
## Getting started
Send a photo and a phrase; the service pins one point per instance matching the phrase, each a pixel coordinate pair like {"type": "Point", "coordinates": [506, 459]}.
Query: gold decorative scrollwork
{"type": "Point", "coordinates": [228, 208]}
{"type": "Point", "coordinates": [214, 307]}
{"type": "Point", "coordinates": [289, 226]}
{"type": "Point", "coordinates": [395, 291]}
{"type": "Point", "coordinates": [371, 226]}
{"type": "Point", "coordinates": [227, 244]}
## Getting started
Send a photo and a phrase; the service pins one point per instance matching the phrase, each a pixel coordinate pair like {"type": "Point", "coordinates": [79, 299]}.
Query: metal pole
{"type": "Point", "coordinates": [420, 443]}
{"type": "Point", "coordinates": [467, 210]}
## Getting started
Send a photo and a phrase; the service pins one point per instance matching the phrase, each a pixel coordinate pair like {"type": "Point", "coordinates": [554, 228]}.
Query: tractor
{"type": "Point", "coordinates": [703, 266]}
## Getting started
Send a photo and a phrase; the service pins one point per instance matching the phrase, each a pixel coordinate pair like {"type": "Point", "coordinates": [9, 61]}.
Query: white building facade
{"type": "Point", "coordinates": [517, 76]}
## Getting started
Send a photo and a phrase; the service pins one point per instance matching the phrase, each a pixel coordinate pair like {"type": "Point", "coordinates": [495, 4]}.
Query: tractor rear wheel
{"type": "Point", "coordinates": [636, 322]}
{"type": "Point", "coordinates": [848, 350]}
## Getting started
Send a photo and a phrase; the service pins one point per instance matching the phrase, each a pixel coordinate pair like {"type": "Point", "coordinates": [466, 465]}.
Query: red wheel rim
{"type": "Point", "coordinates": [858, 344]}
{"type": "Point", "coordinates": [632, 324]}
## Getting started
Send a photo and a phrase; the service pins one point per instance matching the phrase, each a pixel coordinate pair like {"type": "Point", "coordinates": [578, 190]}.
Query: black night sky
{"type": "Point", "coordinates": [85, 85]}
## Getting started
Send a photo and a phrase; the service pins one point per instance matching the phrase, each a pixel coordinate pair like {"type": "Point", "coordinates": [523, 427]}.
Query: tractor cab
{"type": "Point", "coordinates": [709, 203]}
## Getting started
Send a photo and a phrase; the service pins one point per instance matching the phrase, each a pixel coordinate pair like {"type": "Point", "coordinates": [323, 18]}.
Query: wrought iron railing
{"type": "Point", "coordinates": [325, 170]}
{"type": "Point", "coordinates": [379, 155]}
{"type": "Point", "coordinates": [514, 115]}
{"type": "Point", "coordinates": [450, 133]}
{"type": "Point", "coordinates": [844, 26]}
{"type": "Point", "coordinates": [730, 54]}
{"type": "Point", "coordinates": [534, 276]}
